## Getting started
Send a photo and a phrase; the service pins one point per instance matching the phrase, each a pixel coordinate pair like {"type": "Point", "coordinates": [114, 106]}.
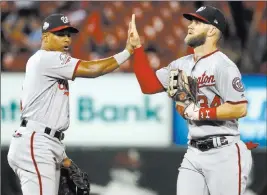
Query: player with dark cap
{"type": "Point", "coordinates": [36, 152]}
{"type": "Point", "coordinates": [208, 92]}
{"type": "Point", "coordinates": [209, 15]}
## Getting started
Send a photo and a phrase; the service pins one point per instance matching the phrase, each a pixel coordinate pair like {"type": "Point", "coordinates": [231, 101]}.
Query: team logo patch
{"type": "Point", "coordinates": [64, 58]}
{"type": "Point", "coordinates": [46, 25]}
{"type": "Point", "coordinates": [201, 9]}
{"type": "Point", "coordinates": [237, 84]}
{"type": "Point", "coordinates": [64, 19]}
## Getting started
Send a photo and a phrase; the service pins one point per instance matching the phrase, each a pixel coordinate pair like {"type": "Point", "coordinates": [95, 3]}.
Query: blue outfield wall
{"type": "Point", "coordinates": [252, 127]}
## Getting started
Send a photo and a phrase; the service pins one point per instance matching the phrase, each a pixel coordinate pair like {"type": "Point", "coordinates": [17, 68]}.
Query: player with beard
{"type": "Point", "coordinates": [216, 161]}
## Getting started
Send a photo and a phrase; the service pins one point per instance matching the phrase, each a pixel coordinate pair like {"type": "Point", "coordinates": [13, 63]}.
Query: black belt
{"type": "Point", "coordinates": [207, 143]}
{"type": "Point", "coordinates": [58, 134]}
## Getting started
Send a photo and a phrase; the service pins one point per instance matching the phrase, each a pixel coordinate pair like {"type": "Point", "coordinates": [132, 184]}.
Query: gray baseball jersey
{"type": "Point", "coordinates": [219, 81]}
{"type": "Point", "coordinates": [45, 91]}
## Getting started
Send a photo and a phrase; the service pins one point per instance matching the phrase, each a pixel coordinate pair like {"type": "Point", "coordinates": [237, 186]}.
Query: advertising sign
{"type": "Point", "coordinates": [106, 111]}
{"type": "Point", "coordinates": [252, 127]}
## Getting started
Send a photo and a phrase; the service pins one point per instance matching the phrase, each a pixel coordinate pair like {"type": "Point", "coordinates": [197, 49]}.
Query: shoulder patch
{"type": "Point", "coordinates": [237, 84]}
{"type": "Point", "coordinates": [64, 58]}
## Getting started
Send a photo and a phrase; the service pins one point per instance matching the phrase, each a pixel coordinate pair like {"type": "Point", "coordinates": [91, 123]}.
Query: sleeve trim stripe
{"type": "Point", "coordinates": [76, 67]}
{"type": "Point", "coordinates": [239, 102]}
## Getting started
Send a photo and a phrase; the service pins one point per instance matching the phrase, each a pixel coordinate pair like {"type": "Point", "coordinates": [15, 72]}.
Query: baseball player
{"type": "Point", "coordinates": [217, 162]}
{"type": "Point", "coordinates": [36, 151]}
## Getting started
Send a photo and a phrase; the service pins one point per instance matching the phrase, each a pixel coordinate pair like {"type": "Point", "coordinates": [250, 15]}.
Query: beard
{"type": "Point", "coordinates": [195, 41]}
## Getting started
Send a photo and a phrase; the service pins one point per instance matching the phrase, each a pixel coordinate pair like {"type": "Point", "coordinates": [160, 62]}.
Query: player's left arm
{"type": "Point", "coordinates": [229, 111]}
{"type": "Point", "coordinates": [231, 88]}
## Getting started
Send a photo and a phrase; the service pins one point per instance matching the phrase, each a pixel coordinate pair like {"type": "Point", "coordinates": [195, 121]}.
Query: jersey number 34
{"type": "Point", "coordinates": [203, 101]}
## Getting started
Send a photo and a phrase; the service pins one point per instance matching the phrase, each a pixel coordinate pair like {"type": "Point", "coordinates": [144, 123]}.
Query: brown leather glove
{"type": "Point", "coordinates": [182, 89]}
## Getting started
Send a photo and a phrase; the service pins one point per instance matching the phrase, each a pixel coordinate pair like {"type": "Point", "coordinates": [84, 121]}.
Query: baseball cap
{"type": "Point", "coordinates": [209, 15]}
{"type": "Point", "coordinates": [57, 22]}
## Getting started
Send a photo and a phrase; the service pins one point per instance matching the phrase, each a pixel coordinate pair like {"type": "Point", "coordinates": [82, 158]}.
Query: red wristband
{"type": "Point", "coordinates": [207, 113]}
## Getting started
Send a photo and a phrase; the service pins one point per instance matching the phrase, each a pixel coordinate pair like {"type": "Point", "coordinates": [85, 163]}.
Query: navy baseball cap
{"type": "Point", "coordinates": [209, 15]}
{"type": "Point", "coordinates": [57, 22]}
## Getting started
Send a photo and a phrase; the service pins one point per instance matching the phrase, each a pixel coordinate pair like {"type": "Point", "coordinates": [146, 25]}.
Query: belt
{"type": "Point", "coordinates": [58, 134]}
{"type": "Point", "coordinates": [209, 143]}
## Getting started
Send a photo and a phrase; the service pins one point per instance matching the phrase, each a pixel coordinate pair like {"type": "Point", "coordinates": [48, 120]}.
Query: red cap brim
{"type": "Point", "coordinates": [191, 16]}
{"type": "Point", "coordinates": [72, 29]}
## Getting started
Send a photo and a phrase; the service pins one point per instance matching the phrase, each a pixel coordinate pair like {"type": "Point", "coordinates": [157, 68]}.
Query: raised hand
{"type": "Point", "coordinates": [129, 46]}
{"type": "Point", "coordinates": [134, 37]}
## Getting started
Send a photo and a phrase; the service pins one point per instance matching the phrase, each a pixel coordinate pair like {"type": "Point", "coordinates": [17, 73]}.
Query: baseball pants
{"type": "Point", "coordinates": [218, 171]}
{"type": "Point", "coordinates": [35, 157]}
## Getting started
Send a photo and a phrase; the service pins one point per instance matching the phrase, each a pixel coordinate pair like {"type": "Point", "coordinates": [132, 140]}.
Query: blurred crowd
{"type": "Point", "coordinates": [103, 30]}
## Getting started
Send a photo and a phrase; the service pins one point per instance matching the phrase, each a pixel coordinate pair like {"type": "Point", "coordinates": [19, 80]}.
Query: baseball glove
{"type": "Point", "coordinates": [72, 180]}
{"type": "Point", "coordinates": [182, 89]}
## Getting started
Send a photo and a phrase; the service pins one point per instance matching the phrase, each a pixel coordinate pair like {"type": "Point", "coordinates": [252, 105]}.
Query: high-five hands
{"type": "Point", "coordinates": [133, 40]}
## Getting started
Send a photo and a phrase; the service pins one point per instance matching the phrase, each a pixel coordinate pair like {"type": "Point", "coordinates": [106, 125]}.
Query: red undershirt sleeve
{"type": "Point", "coordinates": [145, 75]}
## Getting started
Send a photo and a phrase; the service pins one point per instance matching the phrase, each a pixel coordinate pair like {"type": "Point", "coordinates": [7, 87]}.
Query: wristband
{"type": "Point", "coordinates": [207, 113]}
{"type": "Point", "coordinates": [122, 56]}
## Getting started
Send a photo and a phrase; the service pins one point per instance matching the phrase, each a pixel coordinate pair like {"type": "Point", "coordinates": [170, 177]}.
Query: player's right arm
{"type": "Point", "coordinates": [62, 66]}
{"type": "Point", "coordinates": [149, 81]}
{"type": "Point", "coordinates": [147, 78]}
{"type": "Point", "coordinates": [96, 68]}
